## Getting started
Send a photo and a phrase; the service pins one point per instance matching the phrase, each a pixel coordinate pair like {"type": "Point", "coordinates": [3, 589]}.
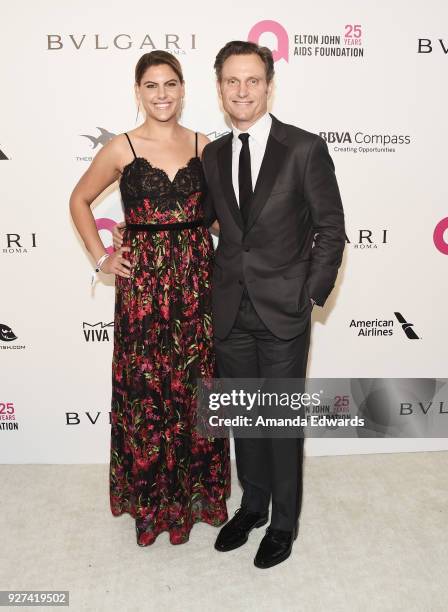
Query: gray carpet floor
{"type": "Point", "coordinates": [373, 537]}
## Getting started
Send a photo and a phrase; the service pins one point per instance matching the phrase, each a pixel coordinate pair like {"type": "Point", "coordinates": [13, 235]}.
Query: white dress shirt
{"type": "Point", "coordinates": [258, 138]}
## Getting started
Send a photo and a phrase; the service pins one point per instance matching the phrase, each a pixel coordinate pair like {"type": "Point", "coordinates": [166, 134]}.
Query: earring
{"type": "Point", "coordinates": [138, 110]}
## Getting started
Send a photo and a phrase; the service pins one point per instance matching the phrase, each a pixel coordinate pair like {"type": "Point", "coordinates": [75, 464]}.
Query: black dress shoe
{"type": "Point", "coordinates": [275, 547]}
{"type": "Point", "coordinates": [236, 532]}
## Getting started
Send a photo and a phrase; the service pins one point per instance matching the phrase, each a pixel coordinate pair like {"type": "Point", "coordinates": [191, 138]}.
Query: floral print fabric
{"type": "Point", "coordinates": [161, 471]}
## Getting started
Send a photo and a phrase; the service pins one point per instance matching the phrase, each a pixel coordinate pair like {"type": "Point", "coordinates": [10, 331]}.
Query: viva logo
{"type": "Point", "coordinates": [272, 27]}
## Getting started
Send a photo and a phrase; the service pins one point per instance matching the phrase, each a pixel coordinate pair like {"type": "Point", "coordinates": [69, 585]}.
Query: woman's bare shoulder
{"type": "Point", "coordinates": [203, 141]}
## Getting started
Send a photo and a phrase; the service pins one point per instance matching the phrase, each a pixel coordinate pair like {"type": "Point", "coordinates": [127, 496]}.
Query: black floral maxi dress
{"type": "Point", "coordinates": [161, 471]}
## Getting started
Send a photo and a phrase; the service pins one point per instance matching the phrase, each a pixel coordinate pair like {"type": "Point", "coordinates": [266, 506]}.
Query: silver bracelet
{"type": "Point", "coordinates": [99, 263]}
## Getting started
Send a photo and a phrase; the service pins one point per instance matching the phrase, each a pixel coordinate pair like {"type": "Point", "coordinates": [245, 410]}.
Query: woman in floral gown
{"type": "Point", "coordinates": [161, 471]}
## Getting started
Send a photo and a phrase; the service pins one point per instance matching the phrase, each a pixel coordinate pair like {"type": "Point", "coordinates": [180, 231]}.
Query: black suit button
{"type": "Point", "coordinates": [247, 249]}
{"type": "Point", "coordinates": [240, 282]}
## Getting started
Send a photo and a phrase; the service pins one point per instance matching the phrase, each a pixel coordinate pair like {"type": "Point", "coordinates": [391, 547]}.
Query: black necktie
{"type": "Point", "coordinates": [245, 177]}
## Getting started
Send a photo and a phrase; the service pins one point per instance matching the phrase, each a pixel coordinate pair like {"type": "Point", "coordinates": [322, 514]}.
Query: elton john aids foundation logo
{"type": "Point", "coordinates": [346, 42]}
{"type": "Point", "coordinates": [273, 27]}
{"type": "Point", "coordinates": [107, 225]}
{"type": "Point", "coordinates": [8, 416]}
{"type": "Point", "coordinates": [440, 236]}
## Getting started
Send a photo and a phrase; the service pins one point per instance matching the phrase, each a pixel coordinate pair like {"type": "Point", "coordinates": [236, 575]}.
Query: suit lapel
{"type": "Point", "coordinates": [274, 156]}
{"type": "Point", "coordinates": [225, 172]}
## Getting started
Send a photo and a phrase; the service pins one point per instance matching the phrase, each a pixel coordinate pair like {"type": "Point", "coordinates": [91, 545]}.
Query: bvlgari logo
{"type": "Point", "coordinates": [13, 244]}
{"type": "Point", "coordinates": [76, 418]}
{"type": "Point", "coordinates": [367, 239]}
{"type": "Point", "coordinates": [428, 45]}
{"type": "Point", "coordinates": [174, 43]}
{"type": "Point", "coordinates": [97, 332]}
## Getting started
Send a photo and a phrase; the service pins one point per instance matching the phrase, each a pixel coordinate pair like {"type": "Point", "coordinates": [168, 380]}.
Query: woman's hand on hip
{"type": "Point", "coordinates": [117, 264]}
{"type": "Point", "coordinates": [117, 234]}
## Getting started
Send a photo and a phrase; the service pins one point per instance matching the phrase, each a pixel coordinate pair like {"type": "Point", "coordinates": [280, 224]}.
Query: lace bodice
{"type": "Point", "coordinates": [150, 196]}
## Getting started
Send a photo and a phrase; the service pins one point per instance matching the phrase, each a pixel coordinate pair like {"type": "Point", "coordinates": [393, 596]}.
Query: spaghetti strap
{"type": "Point", "coordinates": [196, 152]}
{"type": "Point", "coordinates": [130, 144]}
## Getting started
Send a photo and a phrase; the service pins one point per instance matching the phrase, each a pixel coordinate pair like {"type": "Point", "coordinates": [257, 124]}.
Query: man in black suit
{"type": "Point", "coordinates": [273, 190]}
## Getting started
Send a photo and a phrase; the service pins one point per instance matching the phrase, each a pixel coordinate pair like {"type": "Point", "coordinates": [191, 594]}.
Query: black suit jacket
{"type": "Point", "coordinates": [292, 246]}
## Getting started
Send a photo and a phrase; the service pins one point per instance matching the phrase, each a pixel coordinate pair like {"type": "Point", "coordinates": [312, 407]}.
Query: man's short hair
{"type": "Point", "coordinates": [242, 47]}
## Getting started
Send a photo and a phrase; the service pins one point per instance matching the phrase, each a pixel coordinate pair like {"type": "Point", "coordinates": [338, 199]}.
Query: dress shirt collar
{"type": "Point", "coordinates": [259, 131]}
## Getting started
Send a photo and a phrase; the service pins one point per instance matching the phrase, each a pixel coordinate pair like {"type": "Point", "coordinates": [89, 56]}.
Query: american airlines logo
{"type": "Point", "coordinates": [407, 327]}
{"type": "Point", "coordinates": [97, 332]}
{"type": "Point", "coordinates": [382, 327]}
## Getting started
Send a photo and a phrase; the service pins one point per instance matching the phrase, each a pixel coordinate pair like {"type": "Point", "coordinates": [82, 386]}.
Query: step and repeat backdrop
{"type": "Point", "coordinates": [370, 79]}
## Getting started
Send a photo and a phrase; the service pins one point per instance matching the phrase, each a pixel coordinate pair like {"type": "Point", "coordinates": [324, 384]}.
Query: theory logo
{"type": "Point", "coordinates": [102, 139]}
{"type": "Point", "coordinates": [425, 45]}
{"type": "Point", "coordinates": [407, 327]}
{"type": "Point", "coordinates": [273, 27]}
{"type": "Point", "coordinates": [439, 236]}
{"type": "Point", "coordinates": [96, 332]}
